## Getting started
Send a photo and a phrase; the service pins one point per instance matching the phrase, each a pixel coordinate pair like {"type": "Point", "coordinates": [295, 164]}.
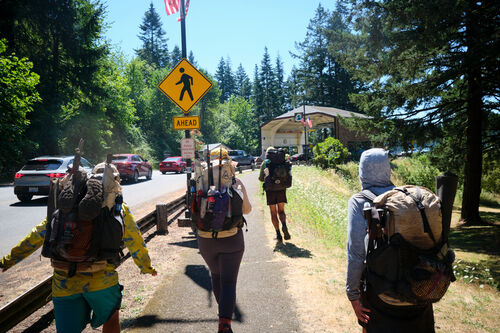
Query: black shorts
{"type": "Point", "coordinates": [275, 197]}
{"type": "Point", "coordinates": [387, 318]}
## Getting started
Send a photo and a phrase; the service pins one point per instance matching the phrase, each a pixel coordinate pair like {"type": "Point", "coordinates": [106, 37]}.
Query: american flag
{"type": "Point", "coordinates": [172, 7]}
{"type": "Point", "coordinates": [309, 122]}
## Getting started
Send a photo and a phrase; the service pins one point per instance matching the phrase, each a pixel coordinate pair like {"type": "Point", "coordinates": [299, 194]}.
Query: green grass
{"type": "Point", "coordinates": [319, 207]}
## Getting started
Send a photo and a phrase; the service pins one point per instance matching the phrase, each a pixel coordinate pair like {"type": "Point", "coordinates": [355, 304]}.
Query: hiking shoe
{"type": "Point", "coordinates": [226, 329]}
{"type": "Point", "coordinates": [285, 233]}
{"type": "Point", "coordinates": [90, 206]}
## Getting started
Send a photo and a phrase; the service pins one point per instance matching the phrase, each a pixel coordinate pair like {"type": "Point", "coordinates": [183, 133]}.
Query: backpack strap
{"type": "Point", "coordinates": [369, 195]}
{"type": "Point", "coordinates": [421, 208]}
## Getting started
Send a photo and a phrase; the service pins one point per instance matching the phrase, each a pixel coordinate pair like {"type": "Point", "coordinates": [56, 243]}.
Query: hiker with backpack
{"type": "Point", "coordinates": [219, 203]}
{"type": "Point", "coordinates": [276, 175]}
{"type": "Point", "coordinates": [398, 261]}
{"type": "Point", "coordinates": [87, 224]}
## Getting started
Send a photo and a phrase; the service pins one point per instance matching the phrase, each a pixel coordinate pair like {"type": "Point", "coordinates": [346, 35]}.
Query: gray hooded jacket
{"type": "Point", "coordinates": [375, 175]}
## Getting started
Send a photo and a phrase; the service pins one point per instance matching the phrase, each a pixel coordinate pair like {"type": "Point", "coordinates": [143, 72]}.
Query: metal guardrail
{"type": "Point", "coordinates": [23, 306]}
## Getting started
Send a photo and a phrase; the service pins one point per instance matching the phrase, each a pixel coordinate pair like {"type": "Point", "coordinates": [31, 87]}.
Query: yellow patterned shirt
{"type": "Point", "coordinates": [62, 285]}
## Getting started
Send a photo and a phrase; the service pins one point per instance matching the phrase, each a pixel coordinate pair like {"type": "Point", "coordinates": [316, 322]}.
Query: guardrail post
{"type": "Point", "coordinates": [239, 169]}
{"type": "Point", "coordinates": [162, 219]}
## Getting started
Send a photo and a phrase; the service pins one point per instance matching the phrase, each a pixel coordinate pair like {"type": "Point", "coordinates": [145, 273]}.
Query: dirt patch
{"type": "Point", "coordinates": [138, 288]}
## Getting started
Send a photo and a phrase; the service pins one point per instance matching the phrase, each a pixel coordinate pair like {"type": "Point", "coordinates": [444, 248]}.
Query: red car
{"type": "Point", "coordinates": [132, 166]}
{"type": "Point", "coordinates": [173, 164]}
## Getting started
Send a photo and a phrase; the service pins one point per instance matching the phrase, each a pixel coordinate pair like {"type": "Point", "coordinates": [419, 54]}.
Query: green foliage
{"type": "Point", "coordinates": [417, 170]}
{"type": "Point", "coordinates": [154, 48]}
{"type": "Point", "coordinates": [329, 153]}
{"type": "Point", "coordinates": [18, 94]}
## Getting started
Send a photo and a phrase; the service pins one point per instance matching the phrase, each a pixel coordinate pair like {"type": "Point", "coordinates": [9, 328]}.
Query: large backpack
{"type": "Point", "coordinates": [82, 232]}
{"type": "Point", "coordinates": [279, 176]}
{"type": "Point", "coordinates": [217, 201]}
{"type": "Point", "coordinates": [408, 259]}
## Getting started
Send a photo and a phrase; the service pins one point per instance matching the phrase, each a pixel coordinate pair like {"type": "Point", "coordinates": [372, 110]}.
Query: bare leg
{"type": "Point", "coordinates": [282, 215]}
{"type": "Point", "coordinates": [274, 216]}
{"type": "Point", "coordinates": [113, 324]}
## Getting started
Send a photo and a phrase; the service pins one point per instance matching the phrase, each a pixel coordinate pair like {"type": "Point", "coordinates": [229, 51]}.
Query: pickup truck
{"type": "Point", "coordinates": [241, 157]}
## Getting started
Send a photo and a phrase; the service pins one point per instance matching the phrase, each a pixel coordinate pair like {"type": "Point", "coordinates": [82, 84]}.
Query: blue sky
{"type": "Point", "coordinates": [238, 29]}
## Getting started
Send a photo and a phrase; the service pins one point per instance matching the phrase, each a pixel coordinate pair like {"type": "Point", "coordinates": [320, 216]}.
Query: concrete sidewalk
{"type": "Point", "coordinates": [185, 303]}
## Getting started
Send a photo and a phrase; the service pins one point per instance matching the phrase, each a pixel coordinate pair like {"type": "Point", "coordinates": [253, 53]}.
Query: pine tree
{"type": "Point", "coordinates": [175, 56]}
{"type": "Point", "coordinates": [154, 48]}
{"type": "Point", "coordinates": [325, 82]}
{"type": "Point", "coordinates": [268, 108]}
{"type": "Point", "coordinates": [435, 63]}
{"type": "Point", "coordinates": [280, 87]}
{"type": "Point", "coordinates": [243, 86]}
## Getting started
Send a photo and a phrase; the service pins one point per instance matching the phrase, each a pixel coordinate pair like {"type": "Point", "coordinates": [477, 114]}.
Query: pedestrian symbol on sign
{"type": "Point", "coordinates": [184, 80]}
{"type": "Point", "coordinates": [187, 81]}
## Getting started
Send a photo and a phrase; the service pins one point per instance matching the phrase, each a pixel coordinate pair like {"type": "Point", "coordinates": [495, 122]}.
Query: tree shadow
{"type": "Point", "coordinates": [491, 218]}
{"type": "Point", "coordinates": [489, 203]}
{"type": "Point", "coordinates": [200, 275]}
{"type": "Point", "coordinates": [291, 250]}
{"type": "Point", "coordinates": [478, 239]}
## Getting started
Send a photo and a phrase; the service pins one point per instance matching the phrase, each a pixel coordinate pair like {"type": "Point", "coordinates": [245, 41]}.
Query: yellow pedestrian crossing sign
{"type": "Point", "coordinates": [185, 85]}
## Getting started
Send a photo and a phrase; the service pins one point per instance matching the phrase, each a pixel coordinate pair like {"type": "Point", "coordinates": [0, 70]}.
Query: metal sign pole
{"type": "Point", "coordinates": [187, 134]}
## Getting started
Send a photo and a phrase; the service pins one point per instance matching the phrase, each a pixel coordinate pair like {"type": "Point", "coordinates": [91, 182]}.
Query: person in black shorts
{"type": "Point", "coordinates": [276, 200]}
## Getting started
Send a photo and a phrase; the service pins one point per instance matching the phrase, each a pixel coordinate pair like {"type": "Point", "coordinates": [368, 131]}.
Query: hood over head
{"type": "Point", "coordinates": [374, 168]}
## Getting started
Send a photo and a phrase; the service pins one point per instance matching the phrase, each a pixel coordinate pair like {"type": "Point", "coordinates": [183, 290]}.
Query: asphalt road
{"type": "Point", "coordinates": [18, 218]}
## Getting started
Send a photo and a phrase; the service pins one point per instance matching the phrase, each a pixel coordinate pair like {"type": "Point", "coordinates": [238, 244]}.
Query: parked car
{"type": "Point", "coordinates": [132, 166]}
{"type": "Point", "coordinates": [34, 177]}
{"type": "Point", "coordinates": [297, 157]}
{"type": "Point", "coordinates": [173, 164]}
{"type": "Point", "coordinates": [241, 157]}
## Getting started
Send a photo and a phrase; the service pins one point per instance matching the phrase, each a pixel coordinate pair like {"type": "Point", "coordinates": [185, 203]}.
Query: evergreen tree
{"type": "Point", "coordinates": [175, 56]}
{"type": "Point", "coordinates": [191, 59]}
{"type": "Point", "coordinates": [154, 48]}
{"type": "Point", "coordinates": [225, 79]}
{"type": "Point", "coordinates": [280, 87]}
{"type": "Point", "coordinates": [243, 86]}
{"type": "Point", "coordinates": [268, 107]}
{"type": "Point", "coordinates": [435, 63]}
{"type": "Point", "coordinates": [325, 82]}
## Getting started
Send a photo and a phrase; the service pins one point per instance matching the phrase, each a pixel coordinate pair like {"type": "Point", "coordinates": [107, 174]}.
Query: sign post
{"type": "Point", "coordinates": [185, 86]}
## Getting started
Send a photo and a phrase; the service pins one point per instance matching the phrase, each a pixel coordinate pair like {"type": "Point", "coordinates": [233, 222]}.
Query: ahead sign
{"type": "Point", "coordinates": [185, 85]}
{"type": "Point", "coordinates": [185, 123]}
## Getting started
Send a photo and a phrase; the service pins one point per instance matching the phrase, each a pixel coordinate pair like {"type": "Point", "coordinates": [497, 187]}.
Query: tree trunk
{"type": "Point", "coordinates": [474, 158]}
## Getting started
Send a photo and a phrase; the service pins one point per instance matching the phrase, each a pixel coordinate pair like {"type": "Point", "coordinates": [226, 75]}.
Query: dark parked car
{"type": "Point", "coordinates": [297, 157]}
{"type": "Point", "coordinates": [132, 166]}
{"type": "Point", "coordinates": [34, 177]}
{"type": "Point", "coordinates": [241, 157]}
{"type": "Point", "coordinates": [173, 164]}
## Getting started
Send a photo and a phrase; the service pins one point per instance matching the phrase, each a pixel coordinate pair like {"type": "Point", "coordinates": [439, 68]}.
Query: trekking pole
{"type": "Point", "coordinates": [76, 166]}
{"type": "Point", "coordinates": [220, 167]}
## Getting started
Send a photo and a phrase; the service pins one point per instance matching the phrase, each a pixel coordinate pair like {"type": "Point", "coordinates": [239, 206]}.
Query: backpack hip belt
{"type": "Point", "coordinates": [81, 267]}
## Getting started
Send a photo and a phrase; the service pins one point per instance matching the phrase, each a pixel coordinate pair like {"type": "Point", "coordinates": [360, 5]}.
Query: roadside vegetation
{"type": "Point", "coordinates": [317, 211]}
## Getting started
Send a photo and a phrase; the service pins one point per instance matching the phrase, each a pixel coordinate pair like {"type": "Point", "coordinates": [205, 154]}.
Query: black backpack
{"type": "Point", "coordinates": [76, 234]}
{"type": "Point", "coordinates": [279, 177]}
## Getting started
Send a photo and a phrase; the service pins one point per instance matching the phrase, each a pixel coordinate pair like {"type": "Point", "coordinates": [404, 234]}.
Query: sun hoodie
{"type": "Point", "coordinates": [374, 175]}
{"type": "Point", "coordinates": [62, 285]}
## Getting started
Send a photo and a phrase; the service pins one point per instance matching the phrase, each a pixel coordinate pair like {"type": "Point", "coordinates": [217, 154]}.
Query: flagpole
{"type": "Point", "coordinates": [186, 132]}
{"type": "Point", "coordinates": [305, 131]}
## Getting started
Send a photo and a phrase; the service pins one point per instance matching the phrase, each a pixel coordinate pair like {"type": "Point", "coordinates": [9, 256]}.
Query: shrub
{"type": "Point", "coordinates": [417, 170]}
{"type": "Point", "coordinates": [329, 153]}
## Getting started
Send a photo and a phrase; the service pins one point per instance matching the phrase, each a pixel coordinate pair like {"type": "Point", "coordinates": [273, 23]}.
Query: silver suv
{"type": "Point", "coordinates": [34, 177]}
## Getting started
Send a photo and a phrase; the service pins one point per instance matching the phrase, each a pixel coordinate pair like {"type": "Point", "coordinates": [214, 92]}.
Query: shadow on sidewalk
{"type": "Point", "coordinates": [200, 275]}
{"type": "Point", "coordinates": [152, 320]}
{"type": "Point", "coordinates": [291, 250]}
